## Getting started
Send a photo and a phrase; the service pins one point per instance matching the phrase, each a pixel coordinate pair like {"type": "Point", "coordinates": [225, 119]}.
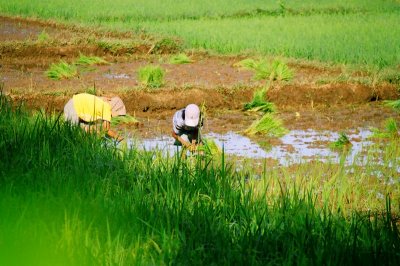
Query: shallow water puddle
{"type": "Point", "coordinates": [296, 146]}
{"type": "Point", "coordinates": [117, 76]}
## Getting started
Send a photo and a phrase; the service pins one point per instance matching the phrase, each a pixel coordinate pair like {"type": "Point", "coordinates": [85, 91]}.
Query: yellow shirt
{"type": "Point", "coordinates": [90, 108]}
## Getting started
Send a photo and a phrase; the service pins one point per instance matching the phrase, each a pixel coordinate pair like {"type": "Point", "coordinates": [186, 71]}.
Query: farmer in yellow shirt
{"type": "Point", "coordinates": [87, 109]}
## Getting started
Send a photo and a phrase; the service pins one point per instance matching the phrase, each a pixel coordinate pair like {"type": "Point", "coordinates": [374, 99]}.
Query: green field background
{"type": "Point", "coordinates": [345, 32]}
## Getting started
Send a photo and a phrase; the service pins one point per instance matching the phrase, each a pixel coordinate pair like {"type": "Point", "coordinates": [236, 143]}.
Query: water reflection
{"type": "Point", "coordinates": [295, 147]}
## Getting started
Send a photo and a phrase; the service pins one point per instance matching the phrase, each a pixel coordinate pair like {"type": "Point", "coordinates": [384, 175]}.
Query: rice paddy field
{"type": "Point", "coordinates": [301, 163]}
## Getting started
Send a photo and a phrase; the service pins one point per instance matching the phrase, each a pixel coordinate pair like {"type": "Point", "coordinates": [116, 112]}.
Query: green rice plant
{"type": "Point", "coordinates": [180, 59]}
{"type": "Point", "coordinates": [84, 60]}
{"type": "Point", "coordinates": [390, 130]}
{"type": "Point", "coordinates": [277, 70]}
{"type": "Point", "coordinates": [124, 119]}
{"type": "Point", "coordinates": [43, 36]}
{"type": "Point", "coordinates": [165, 45]}
{"type": "Point", "coordinates": [151, 76]}
{"type": "Point", "coordinates": [62, 70]}
{"type": "Point", "coordinates": [210, 148]}
{"type": "Point", "coordinates": [267, 125]}
{"type": "Point", "coordinates": [395, 104]}
{"type": "Point", "coordinates": [260, 67]}
{"type": "Point", "coordinates": [91, 90]}
{"type": "Point", "coordinates": [280, 71]}
{"type": "Point", "coordinates": [341, 143]}
{"type": "Point", "coordinates": [259, 103]}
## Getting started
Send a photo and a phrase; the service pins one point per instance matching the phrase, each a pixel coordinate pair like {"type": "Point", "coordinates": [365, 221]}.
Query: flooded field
{"type": "Point", "coordinates": [295, 147]}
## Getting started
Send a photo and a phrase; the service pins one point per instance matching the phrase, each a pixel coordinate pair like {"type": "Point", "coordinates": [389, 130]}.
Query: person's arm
{"type": "Point", "coordinates": [111, 133]}
{"type": "Point", "coordinates": [181, 140]}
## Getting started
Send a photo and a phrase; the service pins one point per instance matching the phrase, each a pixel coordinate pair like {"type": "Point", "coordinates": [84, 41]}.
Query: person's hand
{"type": "Point", "coordinates": [192, 147]}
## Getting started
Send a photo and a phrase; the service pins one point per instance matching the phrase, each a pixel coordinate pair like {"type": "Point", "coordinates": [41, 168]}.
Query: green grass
{"type": "Point", "coordinates": [62, 70]}
{"type": "Point", "coordinates": [66, 198]}
{"type": "Point", "coordinates": [151, 76]}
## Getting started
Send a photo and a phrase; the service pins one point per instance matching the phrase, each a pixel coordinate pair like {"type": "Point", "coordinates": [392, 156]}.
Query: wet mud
{"type": "Point", "coordinates": [314, 100]}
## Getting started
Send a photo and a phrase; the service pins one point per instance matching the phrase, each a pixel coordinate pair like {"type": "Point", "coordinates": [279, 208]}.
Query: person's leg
{"type": "Point", "coordinates": [70, 113]}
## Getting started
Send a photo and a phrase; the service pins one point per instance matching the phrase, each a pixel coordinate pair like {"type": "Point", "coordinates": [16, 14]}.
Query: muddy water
{"type": "Point", "coordinates": [295, 147]}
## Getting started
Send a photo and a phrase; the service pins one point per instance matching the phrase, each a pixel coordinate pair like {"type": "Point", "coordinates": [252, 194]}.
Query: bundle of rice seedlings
{"type": "Point", "coordinates": [151, 76]}
{"type": "Point", "coordinates": [277, 70]}
{"type": "Point", "coordinates": [267, 125]}
{"type": "Point", "coordinates": [124, 119]}
{"type": "Point", "coordinates": [260, 67]}
{"type": "Point", "coordinates": [249, 64]}
{"type": "Point", "coordinates": [61, 70]}
{"type": "Point", "coordinates": [280, 71]}
{"type": "Point", "coordinates": [210, 147]}
{"type": "Point", "coordinates": [394, 104]}
{"type": "Point", "coordinates": [341, 143]}
{"type": "Point", "coordinates": [390, 130]}
{"type": "Point", "coordinates": [90, 60]}
{"type": "Point", "coordinates": [180, 59]}
{"type": "Point", "coordinates": [259, 103]}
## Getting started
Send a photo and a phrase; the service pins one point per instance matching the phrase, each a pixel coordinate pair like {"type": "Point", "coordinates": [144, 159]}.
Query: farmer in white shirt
{"type": "Point", "coordinates": [186, 127]}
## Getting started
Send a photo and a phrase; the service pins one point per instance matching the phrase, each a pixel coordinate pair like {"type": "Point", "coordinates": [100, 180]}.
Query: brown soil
{"type": "Point", "coordinates": [314, 99]}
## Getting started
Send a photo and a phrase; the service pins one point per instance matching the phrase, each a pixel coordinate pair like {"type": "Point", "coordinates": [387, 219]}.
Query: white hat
{"type": "Point", "coordinates": [192, 115]}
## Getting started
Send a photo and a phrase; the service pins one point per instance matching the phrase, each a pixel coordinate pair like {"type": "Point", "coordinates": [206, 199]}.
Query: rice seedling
{"type": "Point", "coordinates": [180, 59]}
{"type": "Point", "coordinates": [280, 71]}
{"type": "Point", "coordinates": [210, 148]}
{"type": "Point", "coordinates": [341, 143]}
{"type": "Point", "coordinates": [91, 90]}
{"type": "Point", "coordinates": [277, 70]}
{"type": "Point", "coordinates": [43, 36]}
{"type": "Point", "coordinates": [395, 104]}
{"type": "Point", "coordinates": [62, 70]}
{"type": "Point", "coordinates": [125, 119]}
{"type": "Point", "coordinates": [151, 76]}
{"type": "Point", "coordinates": [267, 125]}
{"type": "Point", "coordinates": [390, 130]}
{"type": "Point", "coordinates": [259, 103]}
{"type": "Point", "coordinates": [84, 60]}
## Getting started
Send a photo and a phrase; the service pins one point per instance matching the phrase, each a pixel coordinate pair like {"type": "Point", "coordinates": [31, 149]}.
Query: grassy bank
{"type": "Point", "coordinates": [345, 32]}
{"type": "Point", "coordinates": [66, 198]}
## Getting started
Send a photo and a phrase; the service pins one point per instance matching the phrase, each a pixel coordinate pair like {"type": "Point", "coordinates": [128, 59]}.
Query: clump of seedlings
{"type": "Point", "coordinates": [180, 59]}
{"type": "Point", "coordinates": [151, 76]}
{"type": "Point", "coordinates": [394, 104]}
{"type": "Point", "coordinates": [390, 130]}
{"type": "Point", "coordinates": [124, 119]}
{"type": "Point", "coordinates": [84, 60]}
{"type": "Point", "coordinates": [267, 125]}
{"type": "Point", "coordinates": [62, 70]}
{"type": "Point", "coordinates": [43, 36]}
{"type": "Point", "coordinates": [210, 148]}
{"type": "Point", "coordinates": [342, 143]}
{"type": "Point", "coordinates": [259, 103]}
{"type": "Point", "coordinates": [277, 70]}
